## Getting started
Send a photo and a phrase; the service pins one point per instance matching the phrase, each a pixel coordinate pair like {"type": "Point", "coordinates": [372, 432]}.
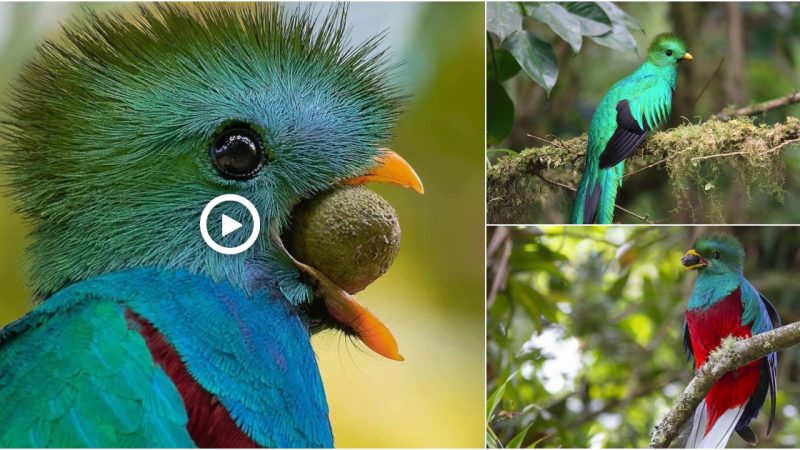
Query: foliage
{"type": "Point", "coordinates": [509, 24]}
{"type": "Point", "coordinates": [585, 330]}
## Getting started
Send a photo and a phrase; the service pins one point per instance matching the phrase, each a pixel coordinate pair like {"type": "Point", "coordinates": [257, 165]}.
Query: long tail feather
{"type": "Point", "coordinates": [609, 179]}
{"type": "Point", "coordinates": [586, 199]}
{"type": "Point", "coordinates": [720, 432]}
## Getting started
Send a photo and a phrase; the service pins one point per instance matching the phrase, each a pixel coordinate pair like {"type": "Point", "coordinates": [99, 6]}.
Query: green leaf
{"type": "Point", "coordinates": [561, 21]}
{"type": "Point", "coordinates": [534, 303]}
{"type": "Point", "coordinates": [516, 441]}
{"type": "Point", "coordinates": [535, 56]}
{"type": "Point", "coordinates": [619, 38]}
{"type": "Point", "coordinates": [492, 441]}
{"type": "Point", "coordinates": [594, 21]}
{"type": "Point", "coordinates": [507, 66]}
{"type": "Point", "coordinates": [615, 13]}
{"type": "Point", "coordinates": [503, 18]}
{"type": "Point", "coordinates": [499, 112]}
{"type": "Point", "coordinates": [497, 397]}
{"type": "Point", "coordinates": [538, 441]}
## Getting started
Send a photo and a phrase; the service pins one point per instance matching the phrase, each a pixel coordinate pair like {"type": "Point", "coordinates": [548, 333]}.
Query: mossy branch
{"type": "Point", "coordinates": [751, 149]}
{"type": "Point", "coordinates": [731, 354]}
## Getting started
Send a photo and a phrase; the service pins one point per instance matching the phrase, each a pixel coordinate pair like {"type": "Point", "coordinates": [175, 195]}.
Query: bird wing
{"type": "Point", "coordinates": [761, 316]}
{"type": "Point", "coordinates": [72, 374]}
{"type": "Point", "coordinates": [636, 116]}
{"type": "Point", "coordinates": [687, 342]}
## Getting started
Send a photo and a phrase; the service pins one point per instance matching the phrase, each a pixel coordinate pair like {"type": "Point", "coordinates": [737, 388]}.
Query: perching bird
{"type": "Point", "coordinates": [632, 107]}
{"type": "Point", "coordinates": [117, 137]}
{"type": "Point", "coordinates": [723, 303]}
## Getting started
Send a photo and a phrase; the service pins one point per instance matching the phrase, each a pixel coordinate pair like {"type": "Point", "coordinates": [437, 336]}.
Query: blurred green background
{"type": "Point", "coordinates": [746, 52]}
{"type": "Point", "coordinates": [587, 327]}
{"type": "Point", "coordinates": [431, 298]}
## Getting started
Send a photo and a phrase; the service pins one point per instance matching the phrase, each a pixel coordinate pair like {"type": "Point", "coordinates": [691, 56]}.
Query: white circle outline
{"type": "Point", "coordinates": [236, 199]}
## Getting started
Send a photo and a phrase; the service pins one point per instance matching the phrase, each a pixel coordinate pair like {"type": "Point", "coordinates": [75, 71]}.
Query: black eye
{"type": "Point", "coordinates": [669, 52]}
{"type": "Point", "coordinates": [237, 153]}
{"type": "Point", "coordinates": [716, 255]}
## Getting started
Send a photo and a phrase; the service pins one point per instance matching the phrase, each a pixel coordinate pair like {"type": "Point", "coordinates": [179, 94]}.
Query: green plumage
{"type": "Point", "coordinates": [92, 369]}
{"type": "Point", "coordinates": [632, 107]}
{"type": "Point", "coordinates": [109, 129]}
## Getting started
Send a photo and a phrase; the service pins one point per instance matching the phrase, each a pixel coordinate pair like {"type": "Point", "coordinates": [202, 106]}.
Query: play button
{"type": "Point", "coordinates": [229, 225]}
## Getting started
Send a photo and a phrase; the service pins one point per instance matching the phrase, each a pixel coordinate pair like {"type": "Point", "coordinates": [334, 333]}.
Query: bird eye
{"type": "Point", "coordinates": [669, 52]}
{"type": "Point", "coordinates": [716, 255]}
{"type": "Point", "coordinates": [237, 153]}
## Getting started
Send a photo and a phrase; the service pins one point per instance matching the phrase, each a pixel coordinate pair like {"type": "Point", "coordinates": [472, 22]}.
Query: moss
{"type": "Point", "coordinates": [350, 234]}
{"type": "Point", "coordinates": [694, 155]}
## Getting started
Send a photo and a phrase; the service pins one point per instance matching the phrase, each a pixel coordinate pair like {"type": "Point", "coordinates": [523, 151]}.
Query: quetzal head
{"type": "Point", "coordinates": [667, 50]}
{"type": "Point", "coordinates": [716, 254]}
{"type": "Point", "coordinates": [121, 132]}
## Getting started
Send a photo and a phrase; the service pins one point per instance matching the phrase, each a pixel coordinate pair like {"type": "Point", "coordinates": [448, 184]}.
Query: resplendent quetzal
{"type": "Point", "coordinates": [723, 303]}
{"type": "Point", "coordinates": [117, 137]}
{"type": "Point", "coordinates": [632, 107]}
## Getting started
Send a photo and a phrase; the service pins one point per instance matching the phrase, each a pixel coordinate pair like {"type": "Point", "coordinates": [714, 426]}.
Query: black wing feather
{"type": "Point", "coordinates": [687, 343]}
{"type": "Point", "coordinates": [625, 139]}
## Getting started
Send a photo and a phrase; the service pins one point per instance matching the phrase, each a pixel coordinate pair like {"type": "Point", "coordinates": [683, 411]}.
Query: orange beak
{"type": "Point", "coordinates": [390, 168]}
{"type": "Point", "coordinates": [349, 312]}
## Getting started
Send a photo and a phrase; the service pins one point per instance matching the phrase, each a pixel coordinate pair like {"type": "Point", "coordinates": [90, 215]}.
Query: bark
{"type": "Point", "coordinates": [733, 81]}
{"type": "Point", "coordinates": [760, 108]}
{"type": "Point", "coordinates": [732, 354]}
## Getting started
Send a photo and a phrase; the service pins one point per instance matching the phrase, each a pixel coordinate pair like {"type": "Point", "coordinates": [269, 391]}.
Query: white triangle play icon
{"type": "Point", "coordinates": [229, 225]}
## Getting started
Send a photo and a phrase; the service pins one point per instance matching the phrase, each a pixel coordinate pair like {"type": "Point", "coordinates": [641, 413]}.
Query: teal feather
{"type": "Point", "coordinates": [62, 386]}
{"type": "Point", "coordinates": [256, 365]}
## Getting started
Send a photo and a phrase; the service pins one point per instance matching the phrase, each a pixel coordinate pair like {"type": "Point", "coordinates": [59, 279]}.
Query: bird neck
{"type": "Point", "coordinates": [667, 73]}
{"type": "Point", "coordinates": [710, 288]}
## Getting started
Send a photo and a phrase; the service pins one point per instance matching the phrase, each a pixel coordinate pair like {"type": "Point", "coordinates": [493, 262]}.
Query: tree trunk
{"type": "Point", "coordinates": [734, 81]}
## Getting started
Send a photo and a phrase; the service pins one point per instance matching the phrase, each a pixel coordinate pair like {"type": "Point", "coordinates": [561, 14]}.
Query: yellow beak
{"type": "Point", "coordinates": [348, 311]}
{"type": "Point", "coordinates": [692, 260]}
{"type": "Point", "coordinates": [390, 168]}
{"type": "Point", "coordinates": [688, 56]}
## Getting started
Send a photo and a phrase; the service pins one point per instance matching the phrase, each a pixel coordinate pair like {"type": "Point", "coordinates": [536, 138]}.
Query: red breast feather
{"type": "Point", "coordinates": [707, 328]}
{"type": "Point", "coordinates": [210, 425]}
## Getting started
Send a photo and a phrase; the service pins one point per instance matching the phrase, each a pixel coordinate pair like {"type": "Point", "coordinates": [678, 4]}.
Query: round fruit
{"type": "Point", "coordinates": [350, 234]}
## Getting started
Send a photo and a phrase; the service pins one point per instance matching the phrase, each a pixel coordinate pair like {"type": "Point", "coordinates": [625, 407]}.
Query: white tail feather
{"type": "Point", "coordinates": [718, 435]}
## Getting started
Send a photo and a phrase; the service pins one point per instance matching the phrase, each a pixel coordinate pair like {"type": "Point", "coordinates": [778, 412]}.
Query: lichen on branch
{"type": "Point", "coordinates": [692, 154]}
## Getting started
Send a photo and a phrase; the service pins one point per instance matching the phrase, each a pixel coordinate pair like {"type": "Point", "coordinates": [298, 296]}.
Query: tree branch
{"type": "Point", "coordinates": [730, 355]}
{"type": "Point", "coordinates": [514, 187]}
{"type": "Point", "coordinates": [759, 108]}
